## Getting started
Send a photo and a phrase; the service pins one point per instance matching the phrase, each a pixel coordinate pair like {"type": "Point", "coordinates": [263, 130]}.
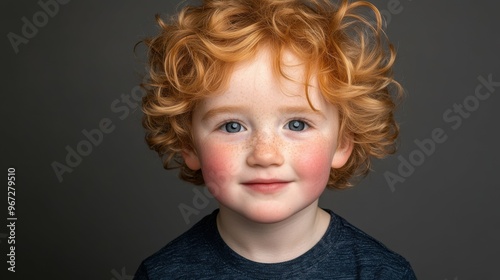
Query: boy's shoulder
{"type": "Point", "coordinates": [368, 255]}
{"type": "Point", "coordinates": [344, 252]}
{"type": "Point", "coordinates": [184, 253]}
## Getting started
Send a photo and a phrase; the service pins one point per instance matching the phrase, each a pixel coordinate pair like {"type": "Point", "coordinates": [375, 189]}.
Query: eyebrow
{"type": "Point", "coordinates": [221, 110]}
{"type": "Point", "coordinates": [300, 110]}
{"type": "Point", "coordinates": [288, 110]}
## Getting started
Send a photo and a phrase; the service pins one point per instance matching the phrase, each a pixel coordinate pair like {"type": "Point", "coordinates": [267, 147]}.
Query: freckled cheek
{"type": "Point", "coordinates": [218, 165]}
{"type": "Point", "coordinates": [313, 166]}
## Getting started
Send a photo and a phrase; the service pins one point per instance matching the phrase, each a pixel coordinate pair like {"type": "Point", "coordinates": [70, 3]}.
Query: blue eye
{"type": "Point", "coordinates": [232, 127]}
{"type": "Point", "coordinates": [297, 125]}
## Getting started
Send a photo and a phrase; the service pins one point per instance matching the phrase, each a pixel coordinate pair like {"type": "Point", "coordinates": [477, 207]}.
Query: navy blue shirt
{"type": "Point", "coordinates": [344, 252]}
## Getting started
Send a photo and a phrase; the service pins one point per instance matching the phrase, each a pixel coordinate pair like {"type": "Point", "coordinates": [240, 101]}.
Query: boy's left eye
{"type": "Point", "coordinates": [297, 125]}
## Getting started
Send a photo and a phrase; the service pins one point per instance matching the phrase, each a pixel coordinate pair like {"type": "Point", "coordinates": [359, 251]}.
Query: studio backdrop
{"type": "Point", "coordinates": [86, 199]}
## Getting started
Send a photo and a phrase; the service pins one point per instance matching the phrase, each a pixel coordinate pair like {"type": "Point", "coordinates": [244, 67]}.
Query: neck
{"type": "Point", "coordinates": [276, 242]}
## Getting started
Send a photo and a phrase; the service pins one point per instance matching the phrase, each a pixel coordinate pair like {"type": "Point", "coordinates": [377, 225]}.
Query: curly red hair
{"type": "Point", "coordinates": [344, 47]}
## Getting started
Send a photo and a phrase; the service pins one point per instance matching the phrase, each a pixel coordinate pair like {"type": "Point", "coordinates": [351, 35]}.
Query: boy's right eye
{"type": "Point", "coordinates": [232, 127]}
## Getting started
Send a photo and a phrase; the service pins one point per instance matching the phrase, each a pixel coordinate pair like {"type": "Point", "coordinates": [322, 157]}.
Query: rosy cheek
{"type": "Point", "coordinates": [218, 167]}
{"type": "Point", "coordinates": [314, 166]}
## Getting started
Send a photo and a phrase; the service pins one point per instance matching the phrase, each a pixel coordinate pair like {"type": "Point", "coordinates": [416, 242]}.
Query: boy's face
{"type": "Point", "coordinates": [264, 153]}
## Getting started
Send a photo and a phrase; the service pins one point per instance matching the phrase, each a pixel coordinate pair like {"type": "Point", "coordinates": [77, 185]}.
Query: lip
{"type": "Point", "coordinates": [266, 185]}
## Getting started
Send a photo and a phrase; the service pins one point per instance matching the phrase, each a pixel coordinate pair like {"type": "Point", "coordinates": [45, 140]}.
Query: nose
{"type": "Point", "coordinates": [265, 151]}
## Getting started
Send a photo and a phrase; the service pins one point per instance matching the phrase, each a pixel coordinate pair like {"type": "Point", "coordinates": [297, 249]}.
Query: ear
{"type": "Point", "coordinates": [343, 152]}
{"type": "Point", "coordinates": [191, 159]}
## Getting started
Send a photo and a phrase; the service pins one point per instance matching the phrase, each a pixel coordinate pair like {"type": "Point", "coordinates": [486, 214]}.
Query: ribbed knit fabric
{"type": "Point", "coordinates": [344, 252]}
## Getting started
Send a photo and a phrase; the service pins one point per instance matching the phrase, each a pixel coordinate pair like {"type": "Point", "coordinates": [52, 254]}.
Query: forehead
{"type": "Point", "coordinates": [267, 64]}
{"type": "Point", "coordinates": [258, 82]}
{"type": "Point", "coordinates": [266, 72]}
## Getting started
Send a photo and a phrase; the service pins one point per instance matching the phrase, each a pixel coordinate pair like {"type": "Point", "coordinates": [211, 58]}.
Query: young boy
{"type": "Point", "coordinates": [266, 103]}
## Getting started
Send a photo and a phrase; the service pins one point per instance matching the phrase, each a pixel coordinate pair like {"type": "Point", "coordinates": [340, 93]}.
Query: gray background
{"type": "Point", "coordinates": [118, 205]}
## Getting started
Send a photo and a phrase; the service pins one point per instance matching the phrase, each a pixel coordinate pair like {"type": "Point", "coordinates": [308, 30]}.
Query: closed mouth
{"type": "Point", "coordinates": [266, 185]}
{"type": "Point", "coordinates": [264, 181]}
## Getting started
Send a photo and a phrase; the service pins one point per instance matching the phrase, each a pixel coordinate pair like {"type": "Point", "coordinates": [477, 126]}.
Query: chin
{"type": "Point", "coordinates": [269, 215]}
